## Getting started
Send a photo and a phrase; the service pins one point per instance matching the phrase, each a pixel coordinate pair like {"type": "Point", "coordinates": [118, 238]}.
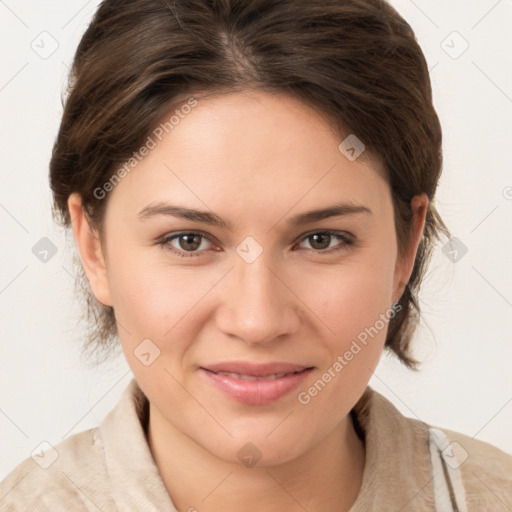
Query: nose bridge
{"type": "Point", "coordinates": [257, 306]}
{"type": "Point", "coordinates": [257, 282]}
{"type": "Point", "coordinates": [254, 270]}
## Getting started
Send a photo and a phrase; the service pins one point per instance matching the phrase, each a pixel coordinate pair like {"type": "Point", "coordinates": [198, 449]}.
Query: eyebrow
{"type": "Point", "coordinates": [160, 208]}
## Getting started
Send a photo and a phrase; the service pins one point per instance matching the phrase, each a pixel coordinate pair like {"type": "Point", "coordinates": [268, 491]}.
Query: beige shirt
{"type": "Point", "coordinates": [409, 467]}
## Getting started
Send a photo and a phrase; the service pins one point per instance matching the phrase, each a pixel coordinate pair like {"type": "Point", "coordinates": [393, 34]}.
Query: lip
{"type": "Point", "coordinates": [256, 384]}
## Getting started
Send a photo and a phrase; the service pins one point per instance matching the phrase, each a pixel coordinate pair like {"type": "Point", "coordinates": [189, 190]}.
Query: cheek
{"type": "Point", "coordinates": [349, 298]}
{"type": "Point", "coordinates": [150, 304]}
{"type": "Point", "coordinates": [157, 301]}
{"type": "Point", "coordinates": [354, 303]}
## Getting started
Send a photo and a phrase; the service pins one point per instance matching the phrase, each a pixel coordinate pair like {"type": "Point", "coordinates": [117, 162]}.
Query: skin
{"type": "Point", "coordinates": [255, 159]}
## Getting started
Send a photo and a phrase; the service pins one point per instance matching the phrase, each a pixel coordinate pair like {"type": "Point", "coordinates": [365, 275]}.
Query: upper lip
{"type": "Point", "coordinates": [255, 369]}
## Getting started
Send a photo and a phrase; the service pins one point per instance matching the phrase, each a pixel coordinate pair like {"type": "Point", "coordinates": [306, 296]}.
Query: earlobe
{"type": "Point", "coordinates": [90, 250]}
{"type": "Point", "coordinates": [405, 265]}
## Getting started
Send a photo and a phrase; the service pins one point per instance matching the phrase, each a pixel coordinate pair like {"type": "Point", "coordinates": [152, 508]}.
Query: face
{"type": "Point", "coordinates": [251, 322]}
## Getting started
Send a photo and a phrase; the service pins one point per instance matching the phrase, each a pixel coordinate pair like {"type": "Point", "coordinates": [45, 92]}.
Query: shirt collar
{"type": "Point", "coordinates": [136, 483]}
{"type": "Point", "coordinates": [397, 473]}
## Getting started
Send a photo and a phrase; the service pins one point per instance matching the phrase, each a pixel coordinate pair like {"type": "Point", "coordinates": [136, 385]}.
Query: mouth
{"type": "Point", "coordinates": [242, 376]}
{"type": "Point", "coordinates": [256, 384]}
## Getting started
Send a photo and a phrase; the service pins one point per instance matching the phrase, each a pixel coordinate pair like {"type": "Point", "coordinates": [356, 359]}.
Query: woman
{"type": "Point", "coordinates": [250, 185]}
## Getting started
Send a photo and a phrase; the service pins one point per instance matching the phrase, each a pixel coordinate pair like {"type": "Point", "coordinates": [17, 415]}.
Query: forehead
{"type": "Point", "coordinates": [255, 149]}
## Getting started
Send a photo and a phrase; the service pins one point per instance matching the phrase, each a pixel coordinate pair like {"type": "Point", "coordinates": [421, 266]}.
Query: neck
{"type": "Point", "coordinates": [325, 478]}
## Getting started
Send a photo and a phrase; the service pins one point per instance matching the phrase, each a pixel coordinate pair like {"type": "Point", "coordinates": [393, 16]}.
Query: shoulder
{"type": "Point", "coordinates": [435, 458]}
{"type": "Point", "coordinates": [486, 471]}
{"type": "Point", "coordinates": [91, 470]}
{"type": "Point", "coordinates": [58, 478]}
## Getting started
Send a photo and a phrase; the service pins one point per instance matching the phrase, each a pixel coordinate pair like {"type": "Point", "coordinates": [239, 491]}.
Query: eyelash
{"type": "Point", "coordinates": [165, 242]}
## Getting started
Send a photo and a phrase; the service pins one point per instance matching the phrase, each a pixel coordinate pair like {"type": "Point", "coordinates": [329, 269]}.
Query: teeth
{"type": "Point", "coordinates": [241, 376]}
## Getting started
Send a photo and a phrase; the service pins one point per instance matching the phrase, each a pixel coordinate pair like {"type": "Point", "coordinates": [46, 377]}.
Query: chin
{"type": "Point", "coordinates": [252, 448]}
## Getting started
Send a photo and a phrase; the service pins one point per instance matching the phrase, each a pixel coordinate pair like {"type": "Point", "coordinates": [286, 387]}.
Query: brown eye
{"type": "Point", "coordinates": [321, 241]}
{"type": "Point", "coordinates": [189, 241]}
{"type": "Point", "coordinates": [185, 244]}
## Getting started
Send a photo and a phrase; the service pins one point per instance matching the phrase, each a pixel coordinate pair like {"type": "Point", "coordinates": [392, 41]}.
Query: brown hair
{"type": "Point", "coordinates": [356, 61]}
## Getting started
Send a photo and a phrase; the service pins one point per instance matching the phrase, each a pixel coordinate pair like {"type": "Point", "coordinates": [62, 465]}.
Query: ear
{"type": "Point", "coordinates": [91, 252]}
{"type": "Point", "coordinates": [405, 265]}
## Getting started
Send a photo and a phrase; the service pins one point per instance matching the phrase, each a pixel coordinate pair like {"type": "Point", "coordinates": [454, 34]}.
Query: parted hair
{"type": "Point", "coordinates": [357, 62]}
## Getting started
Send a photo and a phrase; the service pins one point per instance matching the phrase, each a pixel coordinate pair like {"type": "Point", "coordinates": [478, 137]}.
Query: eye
{"type": "Point", "coordinates": [187, 244]}
{"type": "Point", "coordinates": [320, 241]}
{"type": "Point", "coordinates": [192, 243]}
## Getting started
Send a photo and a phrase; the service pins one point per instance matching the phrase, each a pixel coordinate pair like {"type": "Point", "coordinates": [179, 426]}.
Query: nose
{"type": "Point", "coordinates": [257, 305]}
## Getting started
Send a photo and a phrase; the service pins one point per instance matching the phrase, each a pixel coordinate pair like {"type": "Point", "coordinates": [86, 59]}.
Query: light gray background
{"type": "Point", "coordinates": [46, 392]}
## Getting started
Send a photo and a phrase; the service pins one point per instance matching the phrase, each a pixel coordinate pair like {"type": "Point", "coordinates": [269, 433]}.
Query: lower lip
{"type": "Point", "coordinates": [256, 392]}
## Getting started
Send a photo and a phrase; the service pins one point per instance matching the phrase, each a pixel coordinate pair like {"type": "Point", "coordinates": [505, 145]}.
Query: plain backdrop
{"type": "Point", "coordinates": [465, 339]}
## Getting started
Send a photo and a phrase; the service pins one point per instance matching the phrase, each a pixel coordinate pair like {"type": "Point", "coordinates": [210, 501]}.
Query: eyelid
{"type": "Point", "coordinates": [333, 232]}
{"type": "Point", "coordinates": [346, 238]}
{"type": "Point", "coordinates": [166, 239]}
